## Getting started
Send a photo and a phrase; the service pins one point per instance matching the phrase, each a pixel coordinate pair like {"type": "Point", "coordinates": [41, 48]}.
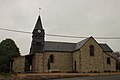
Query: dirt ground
{"type": "Point", "coordinates": [47, 76]}
{"type": "Point", "coordinates": [63, 75]}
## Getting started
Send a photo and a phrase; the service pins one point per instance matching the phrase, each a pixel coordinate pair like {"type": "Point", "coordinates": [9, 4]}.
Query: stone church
{"type": "Point", "coordinates": [85, 56]}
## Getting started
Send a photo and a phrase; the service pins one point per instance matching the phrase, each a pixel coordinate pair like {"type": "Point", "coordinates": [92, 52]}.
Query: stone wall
{"type": "Point", "coordinates": [112, 65]}
{"type": "Point", "coordinates": [18, 64]}
{"type": "Point", "coordinates": [37, 64]}
{"type": "Point", "coordinates": [77, 58]}
{"type": "Point", "coordinates": [91, 63]}
{"type": "Point", "coordinates": [62, 61]}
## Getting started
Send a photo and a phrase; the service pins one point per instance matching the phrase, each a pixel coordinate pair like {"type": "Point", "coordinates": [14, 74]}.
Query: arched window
{"type": "Point", "coordinates": [91, 50]}
{"type": "Point", "coordinates": [51, 58]}
{"type": "Point", "coordinates": [108, 61]}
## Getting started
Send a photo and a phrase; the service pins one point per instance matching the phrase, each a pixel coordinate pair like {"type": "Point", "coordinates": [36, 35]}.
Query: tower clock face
{"type": "Point", "coordinates": [39, 31]}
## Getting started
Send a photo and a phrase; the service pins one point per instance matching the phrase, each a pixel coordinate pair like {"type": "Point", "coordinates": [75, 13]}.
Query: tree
{"type": "Point", "coordinates": [4, 63]}
{"type": "Point", "coordinates": [8, 50]}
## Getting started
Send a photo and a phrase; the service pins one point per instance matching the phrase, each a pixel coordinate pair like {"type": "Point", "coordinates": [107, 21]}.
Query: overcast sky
{"type": "Point", "coordinates": [97, 18]}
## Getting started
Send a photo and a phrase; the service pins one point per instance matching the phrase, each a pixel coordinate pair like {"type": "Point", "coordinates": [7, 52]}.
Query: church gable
{"type": "Point", "coordinates": [104, 47]}
{"type": "Point", "coordinates": [91, 41]}
{"type": "Point", "coordinates": [91, 56]}
{"type": "Point", "coordinates": [91, 47]}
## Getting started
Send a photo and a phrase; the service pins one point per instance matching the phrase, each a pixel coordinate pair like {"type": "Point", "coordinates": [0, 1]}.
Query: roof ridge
{"type": "Point", "coordinates": [60, 42]}
{"type": "Point", "coordinates": [102, 43]}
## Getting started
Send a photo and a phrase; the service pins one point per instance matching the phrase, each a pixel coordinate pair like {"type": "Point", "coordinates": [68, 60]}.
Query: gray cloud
{"type": "Point", "coordinates": [68, 17]}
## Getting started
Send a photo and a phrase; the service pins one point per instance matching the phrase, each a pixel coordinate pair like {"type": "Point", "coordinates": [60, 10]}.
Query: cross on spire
{"type": "Point", "coordinates": [39, 10]}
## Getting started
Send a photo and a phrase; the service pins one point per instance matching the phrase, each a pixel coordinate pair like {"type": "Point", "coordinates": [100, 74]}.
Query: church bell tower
{"type": "Point", "coordinates": [38, 34]}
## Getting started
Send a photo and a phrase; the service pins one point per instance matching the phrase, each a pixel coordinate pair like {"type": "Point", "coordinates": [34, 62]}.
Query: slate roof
{"type": "Point", "coordinates": [38, 24]}
{"type": "Point", "coordinates": [63, 46]}
{"type": "Point", "coordinates": [80, 44]}
{"type": "Point", "coordinates": [106, 48]}
{"type": "Point", "coordinates": [59, 46]}
{"type": "Point", "coordinates": [70, 47]}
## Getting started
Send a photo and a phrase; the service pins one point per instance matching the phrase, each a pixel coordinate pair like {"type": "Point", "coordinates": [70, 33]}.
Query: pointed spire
{"type": "Point", "coordinates": [39, 23]}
